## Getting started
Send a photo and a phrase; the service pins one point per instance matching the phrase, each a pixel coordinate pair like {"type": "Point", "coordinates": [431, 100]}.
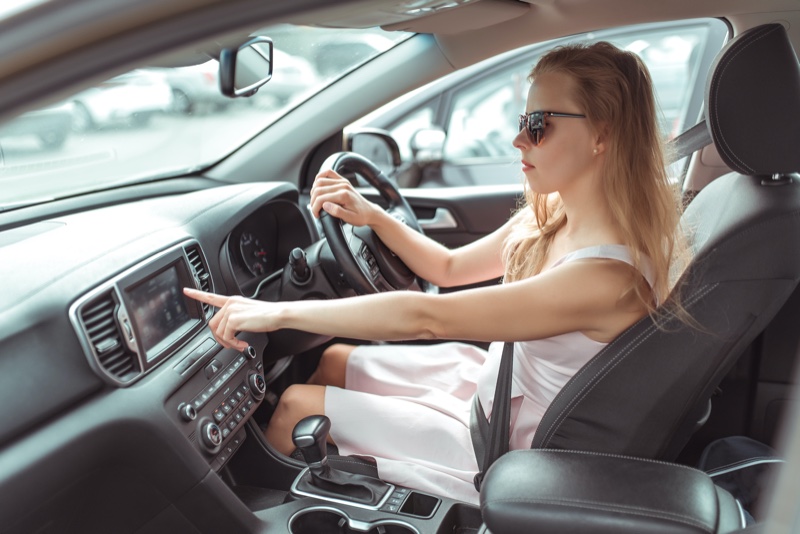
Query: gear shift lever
{"type": "Point", "coordinates": [310, 436]}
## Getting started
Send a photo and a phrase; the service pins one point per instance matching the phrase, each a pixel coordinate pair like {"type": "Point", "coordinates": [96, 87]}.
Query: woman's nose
{"type": "Point", "coordinates": [520, 141]}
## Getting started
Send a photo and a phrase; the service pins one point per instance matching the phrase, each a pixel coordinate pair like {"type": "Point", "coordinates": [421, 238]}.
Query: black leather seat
{"type": "Point", "coordinates": [643, 394]}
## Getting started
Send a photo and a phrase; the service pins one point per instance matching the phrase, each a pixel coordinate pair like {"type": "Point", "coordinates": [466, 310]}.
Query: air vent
{"type": "Point", "coordinates": [105, 338]}
{"type": "Point", "coordinates": [200, 272]}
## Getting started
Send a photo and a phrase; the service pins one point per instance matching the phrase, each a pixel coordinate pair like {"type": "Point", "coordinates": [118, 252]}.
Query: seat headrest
{"type": "Point", "coordinates": [753, 102]}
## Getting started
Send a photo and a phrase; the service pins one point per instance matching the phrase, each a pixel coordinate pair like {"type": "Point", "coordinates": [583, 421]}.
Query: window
{"type": "Point", "coordinates": [478, 107]}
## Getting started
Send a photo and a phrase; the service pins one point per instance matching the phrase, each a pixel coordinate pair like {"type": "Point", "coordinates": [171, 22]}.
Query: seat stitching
{"type": "Point", "coordinates": [585, 369]}
{"type": "Point", "coordinates": [739, 46]}
{"type": "Point", "coordinates": [606, 507]}
{"type": "Point", "coordinates": [623, 457]}
{"type": "Point", "coordinates": [702, 291]}
{"type": "Point", "coordinates": [756, 460]}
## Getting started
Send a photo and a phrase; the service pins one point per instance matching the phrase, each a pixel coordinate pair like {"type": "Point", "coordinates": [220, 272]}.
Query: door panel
{"type": "Point", "coordinates": [477, 211]}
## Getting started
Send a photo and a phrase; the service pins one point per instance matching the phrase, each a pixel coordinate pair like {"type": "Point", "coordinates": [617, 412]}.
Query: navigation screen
{"type": "Point", "coordinates": [158, 308]}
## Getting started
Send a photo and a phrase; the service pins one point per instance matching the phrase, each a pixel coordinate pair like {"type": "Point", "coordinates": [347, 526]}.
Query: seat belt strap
{"type": "Point", "coordinates": [497, 443]}
{"type": "Point", "coordinates": [689, 142]}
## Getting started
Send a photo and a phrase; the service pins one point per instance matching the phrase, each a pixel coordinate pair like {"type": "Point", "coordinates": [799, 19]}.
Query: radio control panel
{"type": "Point", "coordinates": [222, 394]}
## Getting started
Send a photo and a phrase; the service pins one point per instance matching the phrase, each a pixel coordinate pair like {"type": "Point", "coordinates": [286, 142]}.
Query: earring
{"type": "Point", "coordinates": [594, 151]}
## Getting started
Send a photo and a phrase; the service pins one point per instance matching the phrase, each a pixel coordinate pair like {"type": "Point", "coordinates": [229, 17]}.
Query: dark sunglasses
{"type": "Point", "coordinates": [533, 123]}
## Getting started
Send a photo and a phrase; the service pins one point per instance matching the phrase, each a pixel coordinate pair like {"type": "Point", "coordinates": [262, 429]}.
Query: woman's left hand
{"type": "Point", "coordinates": [236, 314]}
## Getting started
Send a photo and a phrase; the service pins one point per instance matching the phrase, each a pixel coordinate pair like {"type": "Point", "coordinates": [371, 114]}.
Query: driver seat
{"type": "Point", "coordinates": [645, 392]}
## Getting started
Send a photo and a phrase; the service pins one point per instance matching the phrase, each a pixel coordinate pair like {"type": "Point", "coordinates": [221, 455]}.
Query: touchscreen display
{"type": "Point", "coordinates": [158, 308]}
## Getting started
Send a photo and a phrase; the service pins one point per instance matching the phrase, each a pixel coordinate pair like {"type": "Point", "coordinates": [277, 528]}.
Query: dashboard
{"type": "Point", "coordinates": [117, 361]}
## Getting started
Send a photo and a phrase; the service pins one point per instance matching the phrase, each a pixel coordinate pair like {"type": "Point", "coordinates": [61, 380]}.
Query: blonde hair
{"type": "Point", "coordinates": [614, 90]}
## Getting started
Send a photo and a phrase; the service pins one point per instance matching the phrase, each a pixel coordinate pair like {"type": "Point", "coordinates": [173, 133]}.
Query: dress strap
{"type": "Point", "coordinates": [612, 252]}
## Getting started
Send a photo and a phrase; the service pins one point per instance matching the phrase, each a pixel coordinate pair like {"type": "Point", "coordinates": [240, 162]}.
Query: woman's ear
{"type": "Point", "coordinates": [599, 141]}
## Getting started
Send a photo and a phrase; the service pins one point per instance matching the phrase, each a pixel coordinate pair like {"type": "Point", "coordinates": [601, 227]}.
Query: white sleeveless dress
{"type": "Point", "coordinates": [408, 406]}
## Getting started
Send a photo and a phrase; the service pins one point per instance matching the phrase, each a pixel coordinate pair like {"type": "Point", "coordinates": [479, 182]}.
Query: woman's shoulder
{"type": "Point", "coordinates": [615, 252]}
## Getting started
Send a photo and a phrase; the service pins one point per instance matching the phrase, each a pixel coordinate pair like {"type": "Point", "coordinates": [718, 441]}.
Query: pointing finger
{"type": "Point", "coordinates": [209, 298]}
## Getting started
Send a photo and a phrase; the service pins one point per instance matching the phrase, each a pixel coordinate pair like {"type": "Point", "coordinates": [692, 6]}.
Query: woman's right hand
{"type": "Point", "coordinates": [337, 196]}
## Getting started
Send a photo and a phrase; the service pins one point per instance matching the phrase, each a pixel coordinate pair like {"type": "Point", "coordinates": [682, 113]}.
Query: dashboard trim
{"type": "Point", "coordinates": [117, 287]}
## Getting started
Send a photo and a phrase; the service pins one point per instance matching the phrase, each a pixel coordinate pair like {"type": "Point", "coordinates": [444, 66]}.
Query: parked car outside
{"type": "Point", "coordinates": [130, 99]}
{"type": "Point", "coordinates": [292, 77]}
{"type": "Point", "coordinates": [50, 126]}
{"type": "Point", "coordinates": [195, 89]}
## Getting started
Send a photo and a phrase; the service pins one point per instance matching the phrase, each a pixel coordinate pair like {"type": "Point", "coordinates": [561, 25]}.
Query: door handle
{"type": "Point", "coordinates": [442, 219]}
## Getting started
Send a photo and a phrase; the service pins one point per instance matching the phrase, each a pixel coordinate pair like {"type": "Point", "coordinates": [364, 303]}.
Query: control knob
{"type": "Point", "coordinates": [258, 385]}
{"type": "Point", "coordinates": [211, 436]}
{"type": "Point", "coordinates": [187, 412]}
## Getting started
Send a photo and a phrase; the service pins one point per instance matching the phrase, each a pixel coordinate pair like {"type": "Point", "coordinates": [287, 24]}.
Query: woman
{"type": "Point", "coordinates": [589, 255]}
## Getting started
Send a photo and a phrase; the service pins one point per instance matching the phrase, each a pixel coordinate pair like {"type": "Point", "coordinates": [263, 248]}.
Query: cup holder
{"type": "Point", "coordinates": [323, 520]}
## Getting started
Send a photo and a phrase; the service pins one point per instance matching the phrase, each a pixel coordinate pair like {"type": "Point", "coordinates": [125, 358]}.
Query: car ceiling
{"type": "Point", "coordinates": [122, 34]}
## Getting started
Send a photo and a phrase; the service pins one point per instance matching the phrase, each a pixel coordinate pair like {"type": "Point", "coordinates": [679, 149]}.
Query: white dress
{"type": "Point", "coordinates": [408, 406]}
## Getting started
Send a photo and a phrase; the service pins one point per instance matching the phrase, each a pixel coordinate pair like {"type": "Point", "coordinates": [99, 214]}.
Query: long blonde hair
{"type": "Point", "coordinates": [614, 90]}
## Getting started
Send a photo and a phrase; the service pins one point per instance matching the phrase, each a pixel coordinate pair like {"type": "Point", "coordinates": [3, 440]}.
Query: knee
{"type": "Point", "coordinates": [332, 365]}
{"type": "Point", "coordinates": [336, 353]}
{"type": "Point", "coordinates": [294, 403]}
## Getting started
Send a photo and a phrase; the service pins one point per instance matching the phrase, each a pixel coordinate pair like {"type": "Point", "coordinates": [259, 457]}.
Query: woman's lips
{"type": "Point", "coordinates": [526, 166]}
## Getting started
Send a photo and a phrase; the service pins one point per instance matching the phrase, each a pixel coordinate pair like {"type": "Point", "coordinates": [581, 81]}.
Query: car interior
{"type": "Point", "coordinates": [125, 415]}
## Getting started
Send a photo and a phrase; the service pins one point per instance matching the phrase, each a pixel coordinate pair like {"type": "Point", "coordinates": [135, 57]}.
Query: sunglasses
{"type": "Point", "coordinates": [533, 123]}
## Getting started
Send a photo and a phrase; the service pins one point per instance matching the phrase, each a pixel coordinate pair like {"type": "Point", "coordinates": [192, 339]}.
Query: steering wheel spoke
{"type": "Point", "coordinates": [365, 261]}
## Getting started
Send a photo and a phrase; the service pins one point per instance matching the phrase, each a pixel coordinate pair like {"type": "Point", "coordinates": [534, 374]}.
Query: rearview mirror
{"type": "Point", "coordinates": [244, 69]}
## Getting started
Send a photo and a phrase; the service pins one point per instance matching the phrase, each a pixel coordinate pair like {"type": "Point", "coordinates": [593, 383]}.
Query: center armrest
{"type": "Point", "coordinates": [544, 490]}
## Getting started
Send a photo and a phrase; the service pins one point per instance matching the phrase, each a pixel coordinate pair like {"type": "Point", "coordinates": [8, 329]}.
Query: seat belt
{"type": "Point", "coordinates": [496, 443]}
{"type": "Point", "coordinates": [490, 444]}
{"type": "Point", "coordinates": [689, 142]}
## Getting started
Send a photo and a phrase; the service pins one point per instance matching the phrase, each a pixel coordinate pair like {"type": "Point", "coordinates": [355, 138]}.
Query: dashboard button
{"type": "Point", "coordinates": [213, 368]}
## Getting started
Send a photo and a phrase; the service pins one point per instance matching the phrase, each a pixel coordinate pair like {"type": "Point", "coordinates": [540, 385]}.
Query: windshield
{"type": "Point", "coordinates": [153, 123]}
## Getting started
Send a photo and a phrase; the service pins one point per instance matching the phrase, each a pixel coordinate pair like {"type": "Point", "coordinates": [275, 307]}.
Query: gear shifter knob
{"type": "Point", "coordinates": [310, 435]}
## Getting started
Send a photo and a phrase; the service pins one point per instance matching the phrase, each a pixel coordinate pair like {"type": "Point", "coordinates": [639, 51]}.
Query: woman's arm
{"type": "Point", "coordinates": [472, 263]}
{"type": "Point", "coordinates": [591, 296]}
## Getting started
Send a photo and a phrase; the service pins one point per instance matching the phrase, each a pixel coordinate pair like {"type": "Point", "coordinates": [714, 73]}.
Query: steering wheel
{"type": "Point", "coordinates": [368, 265]}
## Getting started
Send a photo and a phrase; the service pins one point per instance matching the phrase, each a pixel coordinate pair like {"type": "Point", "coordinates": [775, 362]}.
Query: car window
{"type": "Point", "coordinates": [478, 108]}
{"type": "Point", "coordinates": [155, 123]}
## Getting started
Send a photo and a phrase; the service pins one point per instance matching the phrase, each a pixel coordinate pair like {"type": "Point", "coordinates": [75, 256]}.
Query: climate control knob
{"type": "Point", "coordinates": [187, 412]}
{"type": "Point", "coordinates": [211, 436]}
{"type": "Point", "coordinates": [258, 385]}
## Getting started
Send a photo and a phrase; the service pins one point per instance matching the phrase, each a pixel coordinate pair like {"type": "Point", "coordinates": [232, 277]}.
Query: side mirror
{"type": "Point", "coordinates": [244, 69]}
{"type": "Point", "coordinates": [376, 145]}
{"type": "Point", "coordinates": [427, 145]}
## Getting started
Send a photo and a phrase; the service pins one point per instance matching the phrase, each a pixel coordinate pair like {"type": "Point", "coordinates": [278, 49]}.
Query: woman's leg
{"type": "Point", "coordinates": [297, 402]}
{"type": "Point", "coordinates": [332, 366]}
{"type": "Point", "coordinates": [302, 400]}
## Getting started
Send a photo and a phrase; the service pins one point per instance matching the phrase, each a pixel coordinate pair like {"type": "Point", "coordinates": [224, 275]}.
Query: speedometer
{"type": "Point", "coordinates": [253, 254]}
